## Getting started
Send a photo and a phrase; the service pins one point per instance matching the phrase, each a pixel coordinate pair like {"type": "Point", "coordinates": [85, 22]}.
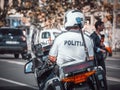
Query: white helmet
{"type": "Point", "coordinates": [73, 17]}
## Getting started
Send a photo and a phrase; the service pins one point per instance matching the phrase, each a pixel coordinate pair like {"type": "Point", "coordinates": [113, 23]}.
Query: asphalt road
{"type": "Point", "coordinates": [113, 71]}
{"type": "Point", "coordinates": [12, 75]}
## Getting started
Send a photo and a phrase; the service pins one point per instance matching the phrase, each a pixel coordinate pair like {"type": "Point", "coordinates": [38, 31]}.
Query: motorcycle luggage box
{"type": "Point", "coordinates": [82, 66]}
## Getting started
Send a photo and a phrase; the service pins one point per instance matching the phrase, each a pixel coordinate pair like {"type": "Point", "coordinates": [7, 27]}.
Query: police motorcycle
{"type": "Point", "coordinates": [77, 76]}
{"type": "Point", "coordinates": [72, 76]}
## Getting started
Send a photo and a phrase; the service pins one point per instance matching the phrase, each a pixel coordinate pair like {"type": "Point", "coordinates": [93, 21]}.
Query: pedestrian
{"type": "Point", "coordinates": [69, 46]}
{"type": "Point", "coordinates": [98, 45]}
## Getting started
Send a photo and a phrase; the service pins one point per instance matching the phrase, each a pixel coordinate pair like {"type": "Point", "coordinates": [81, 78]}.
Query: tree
{"type": "Point", "coordinates": [53, 9]}
{"type": "Point", "coordinates": [3, 12]}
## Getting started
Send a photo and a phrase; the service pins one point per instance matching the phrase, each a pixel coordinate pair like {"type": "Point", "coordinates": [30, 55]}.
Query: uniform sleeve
{"type": "Point", "coordinates": [54, 48]}
{"type": "Point", "coordinates": [91, 48]}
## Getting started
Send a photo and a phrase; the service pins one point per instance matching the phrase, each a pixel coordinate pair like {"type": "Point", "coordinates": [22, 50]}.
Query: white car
{"type": "Point", "coordinates": [47, 36]}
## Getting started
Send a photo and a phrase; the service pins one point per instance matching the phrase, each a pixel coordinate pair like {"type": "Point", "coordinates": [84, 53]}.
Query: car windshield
{"type": "Point", "coordinates": [45, 35]}
{"type": "Point", "coordinates": [14, 32]}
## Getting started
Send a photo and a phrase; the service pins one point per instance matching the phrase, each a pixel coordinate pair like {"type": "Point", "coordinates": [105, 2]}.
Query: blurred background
{"type": "Point", "coordinates": [49, 14]}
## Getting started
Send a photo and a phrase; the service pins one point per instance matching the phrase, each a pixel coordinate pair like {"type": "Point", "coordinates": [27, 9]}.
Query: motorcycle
{"type": "Point", "coordinates": [70, 76]}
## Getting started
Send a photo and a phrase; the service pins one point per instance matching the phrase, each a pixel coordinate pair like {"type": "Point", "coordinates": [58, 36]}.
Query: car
{"type": "Point", "coordinates": [13, 41]}
{"type": "Point", "coordinates": [47, 36]}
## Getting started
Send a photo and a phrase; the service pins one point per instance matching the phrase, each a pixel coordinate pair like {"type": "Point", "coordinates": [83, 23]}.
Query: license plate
{"type": "Point", "coordinates": [12, 42]}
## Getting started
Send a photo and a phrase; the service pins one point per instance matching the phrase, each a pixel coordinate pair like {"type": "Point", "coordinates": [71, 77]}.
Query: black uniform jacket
{"type": "Point", "coordinates": [97, 45]}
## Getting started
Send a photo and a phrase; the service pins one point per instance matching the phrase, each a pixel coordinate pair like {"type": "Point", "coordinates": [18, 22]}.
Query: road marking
{"type": "Point", "coordinates": [113, 79]}
{"type": "Point", "coordinates": [26, 85]}
{"type": "Point", "coordinates": [111, 67]}
{"type": "Point", "coordinates": [112, 59]}
{"type": "Point", "coordinates": [14, 62]}
{"type": "Point", "coordinates": [23, 63]}
{"type": "Point", "coordinates": [18, 83]}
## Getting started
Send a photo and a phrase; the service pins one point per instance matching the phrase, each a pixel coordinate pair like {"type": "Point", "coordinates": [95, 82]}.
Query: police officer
{"type": "Point", "coordinates": [69, 46]}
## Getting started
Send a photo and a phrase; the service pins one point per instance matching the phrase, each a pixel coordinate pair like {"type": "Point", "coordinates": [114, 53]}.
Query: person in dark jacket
{"type": "Point", "coordinates": [98, 46]}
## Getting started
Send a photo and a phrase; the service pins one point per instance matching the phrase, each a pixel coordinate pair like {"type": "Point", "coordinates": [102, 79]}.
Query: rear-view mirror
{"type": "Point", "coordinates": [28, 68]}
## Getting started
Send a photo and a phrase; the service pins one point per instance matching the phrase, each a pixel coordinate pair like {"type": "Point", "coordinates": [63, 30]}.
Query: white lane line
{"type": "Point", "coordinates": [113, 79]}
{"type": "Point", "coordinates": [14, 62]}
{"type": "Point", "coordinates": [18, 83]}
{"type": "Point", "coordinates": [112, 59]}
{"type": "Point", "coordinates": [111, 67]}
{"type": "Point", "coordinates": [26, 85]}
